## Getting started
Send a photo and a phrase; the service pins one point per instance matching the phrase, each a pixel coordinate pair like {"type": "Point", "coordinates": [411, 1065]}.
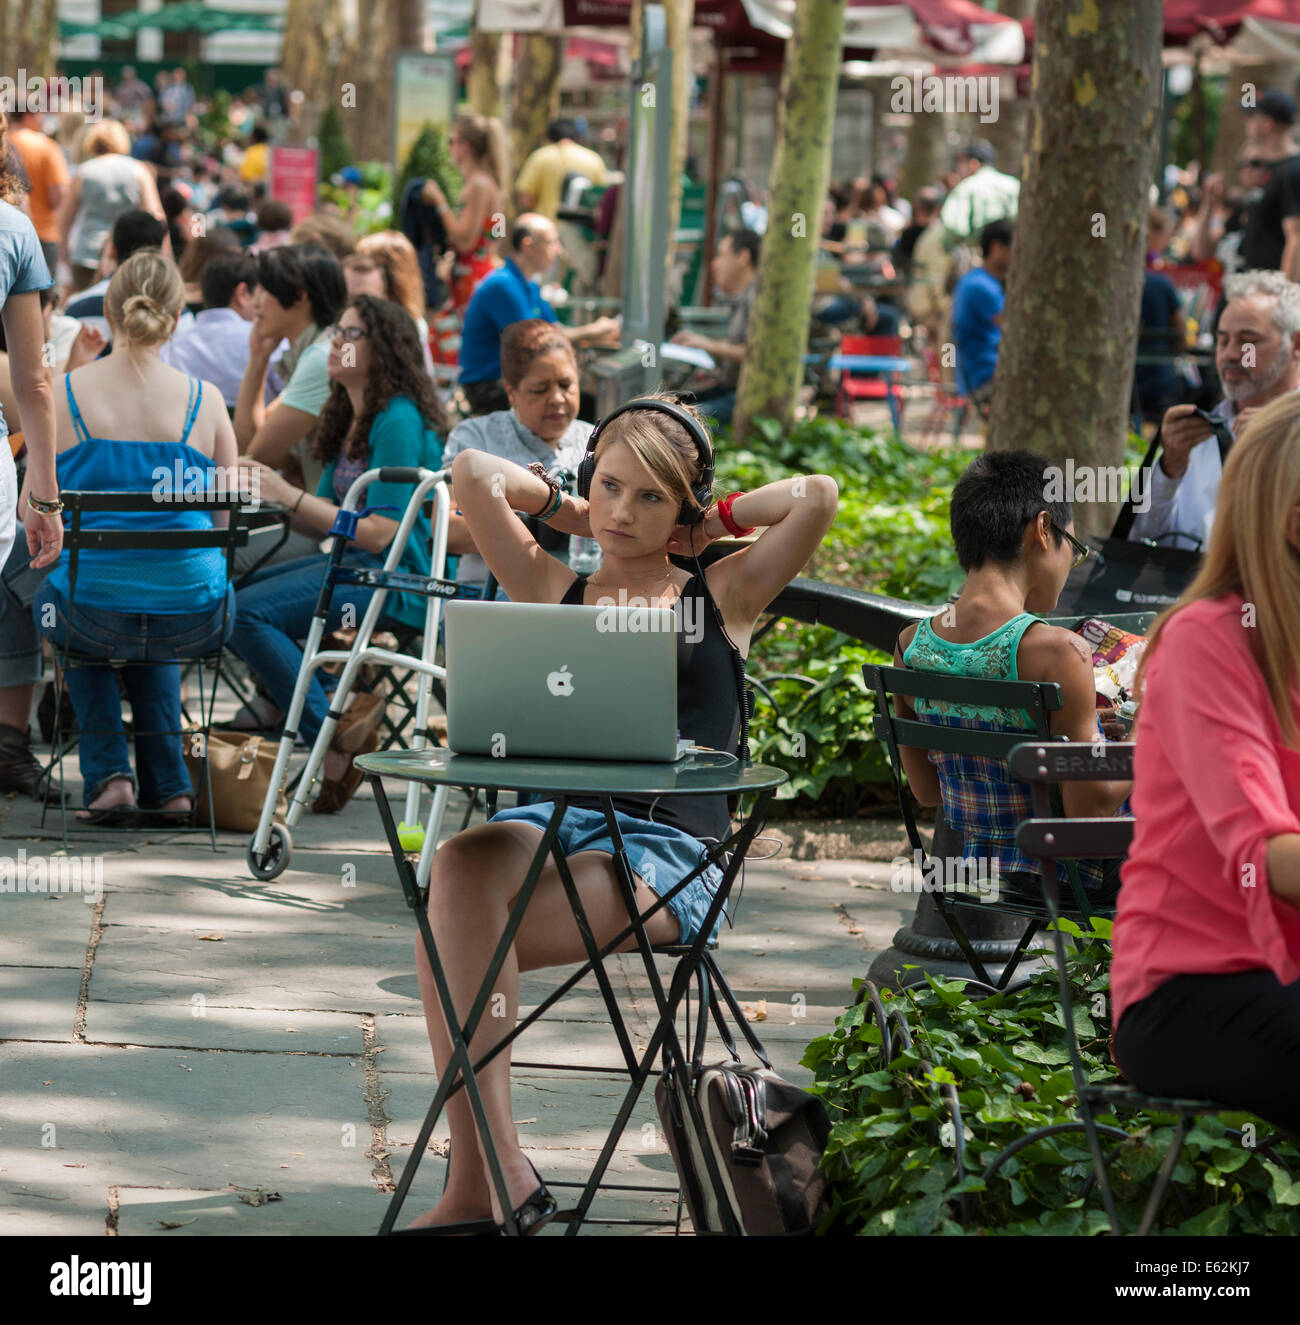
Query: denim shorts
{"type": "Point", "coordinates": [661, 854]}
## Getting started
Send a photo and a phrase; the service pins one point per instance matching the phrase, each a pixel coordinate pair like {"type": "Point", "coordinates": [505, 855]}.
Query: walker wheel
{"type": "Point", "coordinates": [276, 859]}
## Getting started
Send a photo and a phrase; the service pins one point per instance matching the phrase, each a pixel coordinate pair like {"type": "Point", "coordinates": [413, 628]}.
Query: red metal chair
{"type": "Point", "coordinates": [944, 402]}
{"type": "Point", "coordinates": [862, 385]}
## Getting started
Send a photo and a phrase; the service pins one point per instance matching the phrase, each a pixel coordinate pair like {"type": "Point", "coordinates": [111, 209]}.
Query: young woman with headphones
{"type": "Point", "coordinates": [645, 491]}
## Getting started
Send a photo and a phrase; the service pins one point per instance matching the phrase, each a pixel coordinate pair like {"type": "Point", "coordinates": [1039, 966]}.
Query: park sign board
{"type": "Point", "coordinates": [294, 172]}
{"type": "Point", "coordinates": [424, 91]}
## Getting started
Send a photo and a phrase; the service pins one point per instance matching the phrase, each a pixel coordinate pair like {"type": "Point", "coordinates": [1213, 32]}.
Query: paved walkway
{"type": "Point", "coordinates": [196, 1037]}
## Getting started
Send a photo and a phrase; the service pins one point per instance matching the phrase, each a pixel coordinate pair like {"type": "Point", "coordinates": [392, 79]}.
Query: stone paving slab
{"type": "Point", "coordinates": [551, 1110]}
{"type": "Point", "coordinates": [38, 1003]}
{"type": "Point", "coordinates": [148, 1211]}
{"type": "Point", "coordinates": [285, 970]}
{"type": "Point", "coordinates": [307, 904]}
{"type": "Point", "coordinates": [211, 1026]}
{"type": "Point", "coordinates": [161, 1116]}
{"type": "Point", "coordinates": [156, 1113]}
{"type": "Point", "coordinates": [405, 1043]}
{"type": "Point", "coordinates": [80, 1213]}
{"type": "Point", "coordinates": [42, 930]}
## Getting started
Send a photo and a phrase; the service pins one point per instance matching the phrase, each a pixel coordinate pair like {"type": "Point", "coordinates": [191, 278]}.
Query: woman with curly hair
{"type": "Point", "coordinates": [382, 411]}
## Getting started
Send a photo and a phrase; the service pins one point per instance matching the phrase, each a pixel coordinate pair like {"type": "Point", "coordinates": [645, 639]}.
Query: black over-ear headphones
{"type": "Point", "coordinates": [702, 490]}
{"type": "Point", "coordinates": [689, 515]}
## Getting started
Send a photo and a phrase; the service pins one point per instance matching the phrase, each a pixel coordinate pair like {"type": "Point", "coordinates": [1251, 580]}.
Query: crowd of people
{"type": "Point", "coordinates": [292, 356]}
{"type": "Point", "coordinates": [195, 327]}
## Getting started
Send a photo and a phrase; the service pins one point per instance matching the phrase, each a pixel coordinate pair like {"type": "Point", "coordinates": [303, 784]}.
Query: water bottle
{"type": "Point", "coordinates": [584, 555]}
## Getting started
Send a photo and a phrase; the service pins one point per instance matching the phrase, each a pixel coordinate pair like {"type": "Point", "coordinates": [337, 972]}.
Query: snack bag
{"type": "Point", "coordinates": [1115, 657]}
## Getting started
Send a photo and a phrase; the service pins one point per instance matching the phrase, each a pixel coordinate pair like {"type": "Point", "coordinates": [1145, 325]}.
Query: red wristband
{"type": "Point", "coordinates": [728, 523]}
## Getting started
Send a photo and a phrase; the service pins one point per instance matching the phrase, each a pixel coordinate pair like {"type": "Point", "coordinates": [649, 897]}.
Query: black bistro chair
{"type": "Point", "coordinates": [1049, 839]}
{"type": "Point", "coordinates": [76, 539]}
{"type": "Point", "coordinates": [1038, 699]}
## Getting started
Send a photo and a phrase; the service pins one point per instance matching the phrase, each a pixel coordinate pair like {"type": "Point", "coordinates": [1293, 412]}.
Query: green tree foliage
{"type": "Point", "coordinates": [430, 158]}
{"type": "Point", "coordinates": [335, 152]}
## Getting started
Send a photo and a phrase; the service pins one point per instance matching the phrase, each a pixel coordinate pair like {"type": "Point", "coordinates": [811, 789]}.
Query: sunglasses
{"type": "Point", "coordinates": [1081, 550]}
{"type": "Point", "coordinates": [349, 334]}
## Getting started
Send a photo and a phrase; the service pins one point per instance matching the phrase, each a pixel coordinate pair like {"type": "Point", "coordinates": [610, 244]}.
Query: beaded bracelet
{"type": "Point", "coordinates": [557, 492]}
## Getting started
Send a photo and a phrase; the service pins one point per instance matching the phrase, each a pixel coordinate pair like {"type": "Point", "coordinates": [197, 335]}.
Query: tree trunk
{"type": "Point", "coordinates": [308, 29]}
{"type": "Point", "coordinates": [365, 79]}
{"type": "Point", "coordinates": [487, 73]}
{"type": "Point", "coordinates": [535, 95]}
{"type": "Point", "coordinates": [778, 332]}
{"type": "Point", "coordinates": [681, 17]}
{"type": "Point", "coordinates": [1065, 366]}
{"type": "Point", "coordinates": [1254, 78]}
{"type": "Point", "coordinates": [412, 33]}
{"type": "Point", "coordinates": [1008, 132]}
{"type": "Point", "coordinates": [23, 33]}
{"type": "Point", "coordinates": [927, 151]}
{"type": "Point", "coordinates": [40, 51]}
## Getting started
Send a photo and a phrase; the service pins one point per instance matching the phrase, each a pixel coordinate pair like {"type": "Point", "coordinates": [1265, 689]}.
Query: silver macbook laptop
{"type": "Point", "coordinates": [562, 681]}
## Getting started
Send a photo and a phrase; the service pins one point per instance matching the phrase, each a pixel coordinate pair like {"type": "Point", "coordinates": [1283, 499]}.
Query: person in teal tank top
{"type": "Point", "coordinates": [1017, 548]}
{"type": "Point", "coordinates": [132, 423]}
{"type": "Point", "coordinates": [382, 411]}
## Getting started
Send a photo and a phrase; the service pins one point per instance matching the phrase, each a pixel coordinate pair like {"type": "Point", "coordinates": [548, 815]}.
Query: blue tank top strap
{"type": "Point", "coordinates": [192, 408]}
{"type": "Point", "coordinates": [78, 423]}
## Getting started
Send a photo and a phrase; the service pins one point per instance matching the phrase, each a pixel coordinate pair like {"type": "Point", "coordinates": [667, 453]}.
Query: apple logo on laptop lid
{"type": "Point", "coordinates": [561, 682]}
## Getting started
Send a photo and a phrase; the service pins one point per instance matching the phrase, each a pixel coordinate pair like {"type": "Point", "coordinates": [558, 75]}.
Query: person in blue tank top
{"type": "Point", "coordinates": [1017, 548]}
{"type": "Point", "coordinates": [130, 423]}
{"type": "Point", "coordinates": [382, 411]}
{"type": "Point", "coordinates": [648, 476]}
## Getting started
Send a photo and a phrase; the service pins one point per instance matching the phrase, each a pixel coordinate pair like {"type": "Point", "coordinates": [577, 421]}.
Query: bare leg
{"type": "Point", "coordinates": [16, 706]}
{"type": "Point", "coordinates": [475, 878]}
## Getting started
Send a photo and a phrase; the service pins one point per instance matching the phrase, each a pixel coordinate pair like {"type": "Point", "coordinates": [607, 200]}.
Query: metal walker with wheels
{"type": "Point", "coordinates": [271, 846]}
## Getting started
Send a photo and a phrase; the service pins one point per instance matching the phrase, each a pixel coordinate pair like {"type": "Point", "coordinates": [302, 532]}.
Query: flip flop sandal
{"type": "Point", "coordinates": [116, 816]}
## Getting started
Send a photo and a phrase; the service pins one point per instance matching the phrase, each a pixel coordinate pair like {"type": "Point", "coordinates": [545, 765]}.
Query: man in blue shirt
{"type": "Point", "coordinates": [977, 305]}
{"type": "Point", "coordinates": [511, 294]}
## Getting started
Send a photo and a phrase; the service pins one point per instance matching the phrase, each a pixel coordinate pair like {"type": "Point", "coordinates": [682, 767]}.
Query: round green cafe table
{"type": "Point", "coordinates": [560, 781]}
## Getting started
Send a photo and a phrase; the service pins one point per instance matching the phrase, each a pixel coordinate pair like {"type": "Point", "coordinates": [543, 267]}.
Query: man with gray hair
{"type": "Point", "coordinates": [1257, 352]}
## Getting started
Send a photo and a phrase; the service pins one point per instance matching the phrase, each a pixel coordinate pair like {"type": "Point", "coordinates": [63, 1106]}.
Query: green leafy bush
{"type": "Point", "coordinates": [335, 151]}
{"type": "Point", "coordinates": [374, 209]}
{"type": "Point", "coordinates": [430, 158]}
{"type": "Point", "coordinates": [893, 1169]}
{"type": "Point", "coordinates": [815, 723]}
{"type": "Point", "coordinates": [890, 536]}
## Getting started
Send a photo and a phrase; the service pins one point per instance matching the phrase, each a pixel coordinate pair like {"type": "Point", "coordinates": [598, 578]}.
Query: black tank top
{"type": "Point", "coordinates": [708, 710]}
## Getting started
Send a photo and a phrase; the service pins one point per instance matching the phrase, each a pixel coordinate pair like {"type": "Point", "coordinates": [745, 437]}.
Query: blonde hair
{"type": "Point", "coordinates": [144, 297]}
{"type": "Point", "coordinates": [333, 232]}
{"type": "Point", "coordinates": [1249, 553]}
{"type": "Point", "coordinates": [102, 138]}
{"type": "Point", "coordinates": [486, 138]}
{"type": "Point", "coordinates": [395, 256]}
{"type": "Point", "coordinates": [664, 446]}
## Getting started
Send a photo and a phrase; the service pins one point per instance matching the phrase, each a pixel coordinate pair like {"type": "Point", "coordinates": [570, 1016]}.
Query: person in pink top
{"type": "Point", "coordinates": [1206, 971]}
